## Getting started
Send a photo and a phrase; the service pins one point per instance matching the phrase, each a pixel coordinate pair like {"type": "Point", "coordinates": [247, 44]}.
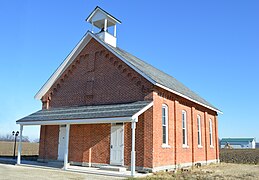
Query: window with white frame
{"type": "Point", "coordinates": [184, 126]}
{"type": "Point", "coordinates": [199, 129]}
{"type": "Point", "coordinates": [165, 124]}
{"type": "Point", "coordinates": [211, 139]}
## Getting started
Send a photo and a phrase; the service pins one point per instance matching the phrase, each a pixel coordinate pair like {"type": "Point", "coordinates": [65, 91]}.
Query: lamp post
{"type": "Point", "coordinates": [15, 134]}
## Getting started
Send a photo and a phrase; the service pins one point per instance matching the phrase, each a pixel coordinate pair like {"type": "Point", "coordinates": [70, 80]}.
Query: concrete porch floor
{"type": "Point", "coordinates": [72, 168]}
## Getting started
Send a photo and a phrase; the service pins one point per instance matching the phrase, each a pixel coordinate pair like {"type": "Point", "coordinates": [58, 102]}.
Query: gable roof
{"type": "Point", "coordinates": [152, 74]}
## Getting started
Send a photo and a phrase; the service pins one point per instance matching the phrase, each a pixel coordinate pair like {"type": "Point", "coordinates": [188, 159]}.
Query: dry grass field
{"type": "Point", "coordinates": [224, 171]}
{"type": "Point", "coordinates": [242, 156]}
{"type": "Point", "coordinates": [28, 149]}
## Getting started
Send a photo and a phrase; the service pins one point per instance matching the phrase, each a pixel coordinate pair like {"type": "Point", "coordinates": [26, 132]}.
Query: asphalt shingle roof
{"type": "Point", "coordinates": [87, 112]}
{"type": "Point", "coordinates": [160, 77]}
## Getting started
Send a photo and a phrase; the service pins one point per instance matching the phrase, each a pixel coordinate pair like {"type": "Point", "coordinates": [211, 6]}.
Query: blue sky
{"type": "Point", "coordinates": [210, 46]}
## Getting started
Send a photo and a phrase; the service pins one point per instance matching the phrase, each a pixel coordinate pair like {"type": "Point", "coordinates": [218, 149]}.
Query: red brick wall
{"type": "Point", "coordinates": [163, 156]}
{"type": "Point", "coordinates": [176, 153]}
{"type": "Point", "coordinates": [211, 150]}
{"type": "Point", "coordinates": [199, 152]}
{"type": "Point", "coordinates": [90, 142]}
{"type": "Point", "coordinates": [49, 142]}
{"type": "Point", "coordinates": [184, 154]}
{"type": "Point", "coordinates": [144, 140]}
{"type": "Point", "coordinates": [105, 80]}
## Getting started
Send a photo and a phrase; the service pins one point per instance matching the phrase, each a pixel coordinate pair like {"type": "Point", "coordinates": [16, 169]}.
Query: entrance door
{"type": "Point", "coordinates": [61, 142]}
{"type": "Point", "coordinates": [117, 144]}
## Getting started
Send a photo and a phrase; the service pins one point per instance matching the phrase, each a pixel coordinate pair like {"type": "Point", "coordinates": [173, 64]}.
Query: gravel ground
{"type": "Point", "coordinates": [26, 173]}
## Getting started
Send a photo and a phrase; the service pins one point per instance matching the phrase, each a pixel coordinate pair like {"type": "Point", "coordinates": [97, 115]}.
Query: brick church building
{"type": "Point", "coordinates": [104, 106]}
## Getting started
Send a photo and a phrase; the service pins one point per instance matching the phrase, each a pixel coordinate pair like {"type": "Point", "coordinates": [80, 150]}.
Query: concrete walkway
{"type": "Point", "coordinates": [83, 171]}
{"type": "Point", "coordinates": [9, 171]}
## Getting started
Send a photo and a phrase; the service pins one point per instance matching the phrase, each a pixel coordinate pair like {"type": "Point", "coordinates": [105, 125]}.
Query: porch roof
{"type": "Point", "coordinates": [125, 112]}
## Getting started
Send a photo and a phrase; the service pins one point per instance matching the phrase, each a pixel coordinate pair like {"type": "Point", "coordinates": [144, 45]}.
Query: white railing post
{"type": "Point", "coordinates": [66, 147]}
{"type": "Point", "coordinates": [20, 146]}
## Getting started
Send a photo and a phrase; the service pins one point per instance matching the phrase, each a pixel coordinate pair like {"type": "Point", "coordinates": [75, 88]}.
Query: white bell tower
{"type": "Point", "coordinates": [103, 20]}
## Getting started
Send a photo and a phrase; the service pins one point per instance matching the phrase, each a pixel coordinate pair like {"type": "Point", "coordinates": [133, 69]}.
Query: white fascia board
{"type": "Point", "coordinates": [78, 121]}
{"type": "Point", "coordinates": [186, 97]}
{"type": "Point", "coordinates": [69, 59]}
{"type": "Point", "coordinates": [135, 116]}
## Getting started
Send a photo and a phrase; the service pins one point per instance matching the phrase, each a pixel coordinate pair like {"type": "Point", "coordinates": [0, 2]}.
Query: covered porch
{"type": "Point", "coordinates": [116, 115]}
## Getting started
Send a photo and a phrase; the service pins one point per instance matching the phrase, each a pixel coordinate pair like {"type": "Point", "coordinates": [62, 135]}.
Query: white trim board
{"type": "Point", "coordinates": [78, 121]}
{"type": "Point", "coordinates": [68, 60]}
{"type": "Point", "coordinates": [143, 110]}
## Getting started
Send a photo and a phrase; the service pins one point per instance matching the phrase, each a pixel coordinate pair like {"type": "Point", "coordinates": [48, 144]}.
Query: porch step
{"type": "Point", "coordinates": [113, 168]}
{"type": "Point", "coordinates": [58, 164]}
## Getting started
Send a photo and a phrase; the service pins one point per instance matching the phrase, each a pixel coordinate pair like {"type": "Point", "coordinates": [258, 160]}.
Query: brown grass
{"type": "Point", "coordinates": [242, 156]}
{"type": "Point", "coordinates": [6, 148]}
{"type": "Point", "coordinates": [225, 171]}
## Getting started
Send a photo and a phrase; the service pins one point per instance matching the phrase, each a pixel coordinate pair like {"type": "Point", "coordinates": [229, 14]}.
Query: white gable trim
{"type": "Point", "coordinates": [69, 59]}
{"type": "Point", "coordinates": [143, 110]}
{"type": "Point", "coordinates": [79, 47]}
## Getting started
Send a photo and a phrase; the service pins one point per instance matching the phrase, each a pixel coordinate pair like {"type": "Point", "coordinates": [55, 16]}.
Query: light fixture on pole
{"type": "Point", "coordinates": [15, 134]}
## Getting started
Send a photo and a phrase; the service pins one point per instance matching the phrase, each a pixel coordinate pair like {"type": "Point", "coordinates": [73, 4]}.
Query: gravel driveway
{"type": "Point", "coordinates": [26, 173]}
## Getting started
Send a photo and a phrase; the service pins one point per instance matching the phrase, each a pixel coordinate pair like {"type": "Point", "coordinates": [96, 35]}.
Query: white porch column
{"type": "Point", "coordinates": [20, 146]}
{"type": "Point", "coordinates": [133, 153]}
{"type": "Point", "coordinates": [114, 32]}
{"type": "Point", "coordinates": [105, 25]}
{"type": "Point", "coordinates": [66, 147]}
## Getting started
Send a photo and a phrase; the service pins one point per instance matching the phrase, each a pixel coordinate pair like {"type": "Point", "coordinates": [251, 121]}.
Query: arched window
{"type": "Point", "coordinates": [199, 129]}
{"type": "Point", "coordinates": [165, 124]}
{"type": "Point", "coordinates": [211, 138]}
{"type": "Point", "coordinates": [184, 126]}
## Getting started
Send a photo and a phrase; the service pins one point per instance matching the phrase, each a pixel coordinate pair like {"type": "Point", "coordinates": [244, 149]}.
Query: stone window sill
{"type": "Point", "coordinates": [166, 146]}
{"type": "Point", "coordinates": [185, 146]}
